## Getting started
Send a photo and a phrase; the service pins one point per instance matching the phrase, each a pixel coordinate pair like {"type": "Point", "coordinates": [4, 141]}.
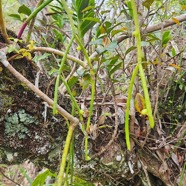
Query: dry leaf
{"type": "Point", "coordinates": [176, 21]}
{"type": "Point", "coordinates": [106, 41]}
{"type": "Point", "coordinates": [163, 168]}
{"type": "Point", "coordinates": [124, 28]}
{"type": "Point", "coordinates": [175, 66]}
{"type": "Point", "coordinates": [175, 159]}
{"type": "Point", "coordinates": [139, 103]}
{"type": "Point", "coordinates": [93, 131]}
{"type": "Point", "coordinates": [101, 120]}
{"type": "Point", "coordinates": [137, 130]}
{"type": "Point", "coordinates": [121, 116]}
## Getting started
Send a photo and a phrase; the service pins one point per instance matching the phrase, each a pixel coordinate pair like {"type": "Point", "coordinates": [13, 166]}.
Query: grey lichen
{"type": "Point", "coordinates": [16, 124]}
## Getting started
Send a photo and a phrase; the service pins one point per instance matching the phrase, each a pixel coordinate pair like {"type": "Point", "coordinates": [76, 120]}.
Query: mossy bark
{"type": "Point", "coordinates": [29, 131]}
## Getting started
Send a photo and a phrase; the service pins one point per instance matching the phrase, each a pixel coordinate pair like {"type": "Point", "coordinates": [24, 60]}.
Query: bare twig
{"type": "Point", "coordinates": [2, 172]}
{"type": "Point", "coordinates": [115, 129]}
{"type": "Point", "coordinates": [156, 27]}
{"type": "Point", "coordinates": [57, 52]}
{"type": "Point", "coordinates": [146, 173]}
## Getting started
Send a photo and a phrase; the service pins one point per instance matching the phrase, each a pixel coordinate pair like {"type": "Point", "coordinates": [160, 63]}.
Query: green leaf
{"type": "Point", "coordinates": [116, 67]}
{"type": "Point", "coordinates": [92, 19]}
{"type": "Point", "coordinates": [147, 3]}
{"type": "Point", "coordinates": [152, 37]}
{"type": "Point", "coordinates": [111, 47]}
{"type": "Point", "coordinates": [111, 62]}
{"type": "Point", "coordinates": [114, 32]}
{"type": "Point", "coordinates": [130, 49]}
{"type": "Point", "coordinates": [165, 41]}
{"type": "Point", "coordinates": [173, 52]}
{"type": "Point", "coordinates": [72, 81]}
{"type": "Point", "coordinates": [38, 58]}
{"type": "Point", "coordinates": [88, 8]}
{"type": "Point", "coordinates": [40, 178]}
{"type": "Point", "coordinates": [87, 22]}
{"type": "Point", "coordinates": [166, 34]}
{"type": "Point", "coordinates": [15, 16]}
{"type": "Point", "coordinates": [166, 37]}
{"type": "Point", "coordinates": [24, 10]}
{"type": "Point", "coordinates": [85, 82]}
{"type": "Point", "coordinates": [129, 5]}
{"type": "Point", "coordinates": [80, 6]}
{"type": "Point", "coordinates": [107, 24]}
{"type": "Point", "coordinates": [85, 26]}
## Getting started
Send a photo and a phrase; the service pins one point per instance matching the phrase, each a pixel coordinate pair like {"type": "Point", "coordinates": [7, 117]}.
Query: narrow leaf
{"type": "Point", "coordinates": [88, 8]}
{"type": "Point", "coordinates": [130, 49]}
{"type": "Point", "coordinates": [24, 10]}
{"type": "Point", "coordinates": [147, 3]}
{"type": "Point", "coordinates": [40, 179]}
{"type": "Point", "coordinates": [116, 67]}
{"type": "Point", "coordinates": [92, 19]}
{"type": "Point", "coordinates": [15, 16]}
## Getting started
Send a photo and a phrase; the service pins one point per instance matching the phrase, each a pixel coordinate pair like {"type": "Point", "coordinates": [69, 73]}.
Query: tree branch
{"type": "Point", "coordinates": [156, 27]}
{"type": "Point", "coordinates": [55, 51]}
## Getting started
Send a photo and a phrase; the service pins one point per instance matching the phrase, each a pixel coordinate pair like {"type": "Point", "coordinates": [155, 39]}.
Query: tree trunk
{"type": "Point", "coordinates": [28, 130]}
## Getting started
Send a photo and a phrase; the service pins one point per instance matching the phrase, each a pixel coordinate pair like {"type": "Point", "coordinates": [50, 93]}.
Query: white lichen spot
{"type": "Point", "coordinates": [44, 149]}
{"type": "Point", "coordinates": [10, 157]}
{"type": "Point", "coordinates": [118, 157]}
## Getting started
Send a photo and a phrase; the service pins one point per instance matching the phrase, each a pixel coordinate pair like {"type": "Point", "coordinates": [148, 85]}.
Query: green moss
{"type": "Point", "coordinates": [16, 124]}
{"type": "Point", "coordinates": [5, 102]}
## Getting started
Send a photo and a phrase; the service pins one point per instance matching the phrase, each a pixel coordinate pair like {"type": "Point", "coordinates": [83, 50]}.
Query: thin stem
{"type": "Point", "coordinates": [90, 115]}
{"type": "Point", "coordinates": [32, 23]}
{"type": "Point", "coordinates": [126, 130]}
{"type": "Point", "coordinates": [69, 13]}
{"type": "Point", "coordinates": [92, 73]}
{"type": "Point", "coordinates": [60, 53]}
{"type": "Point", "coordinates": [141, 70]}
{"type": "Point", "coordinates": [73, 99]}
{"type": "Point", "coordinates": [84, 51]}
{"type": "Point", "coordinates": [142, 76]}
{"type": "Point", "coordinates": [31, 16]}
{"type": "Point", "coordinates": [60, 178]}
{"type": "Point", "coordinates": [59, 74]}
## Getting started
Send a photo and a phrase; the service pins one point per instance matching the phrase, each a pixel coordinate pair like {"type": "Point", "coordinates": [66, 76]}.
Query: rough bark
{"type": "Point", "coordinates": [26, 134]}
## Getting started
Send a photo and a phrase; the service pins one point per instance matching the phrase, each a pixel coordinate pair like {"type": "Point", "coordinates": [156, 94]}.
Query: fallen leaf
{"type": "Point", "coordinates": [176, 21]}
{"type": "Point", "coordinates": [183, 7]}
{"type": "Point", "coordinates": [175, 66]}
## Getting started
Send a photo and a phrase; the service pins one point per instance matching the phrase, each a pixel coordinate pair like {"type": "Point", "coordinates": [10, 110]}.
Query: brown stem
{"type": "Point", "coordinates": [2, 24]}
{"type": "Point", "coordinates": [156, 27]}
{"type": "Point", "coordinates": [60, 53]}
